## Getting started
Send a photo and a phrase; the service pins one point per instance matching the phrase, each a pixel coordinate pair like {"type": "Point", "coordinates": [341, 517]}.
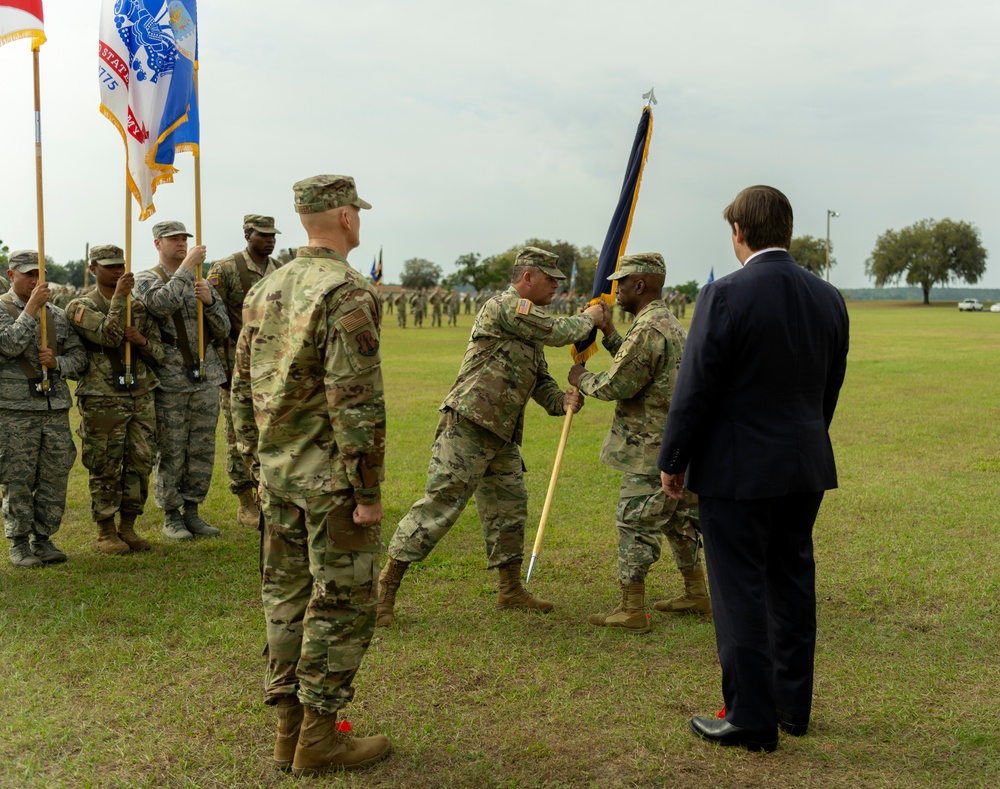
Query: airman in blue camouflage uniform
{"type": "Point", "coordinates": [187, 401]}
{"type": "Point", "coordinates": [36, 445]}
{"type": "Point", "coordinates": [475, 449]}
{"type": "Point", "coordinates": [309, 414]}
{"type": "Point", "coordinates": [641, 381]}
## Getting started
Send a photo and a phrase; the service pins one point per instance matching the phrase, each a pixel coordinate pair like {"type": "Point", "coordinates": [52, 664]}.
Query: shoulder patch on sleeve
{"type": "Point", "coordinates": [354, 320]}
{"type": "Point", "coordinates": [524, 307]}
{"type": "Point", "coordinates": [78, 313]}
{"type": "Point", "coordinates": [213, 279]}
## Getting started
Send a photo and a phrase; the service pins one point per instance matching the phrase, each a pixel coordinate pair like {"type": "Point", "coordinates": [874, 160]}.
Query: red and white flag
{"type": "Point", "coordinates": [21, 19]}
{"type": "Point", "coordinates": [146, 50]}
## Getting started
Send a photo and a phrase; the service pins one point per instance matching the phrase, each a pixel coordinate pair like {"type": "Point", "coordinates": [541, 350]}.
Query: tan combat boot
{"type": "Point", "coordinates": [695, 599]}
{"type": "Point", "coordinates": [107, 538]}
{"type": "Point", "coordinates": [388, 584]}
{"type": "Point", "coordinates": [126, 532]}
{"type": "Point", "coordinates": [513, 595]}
{"type": "Point", "coordinates": [249, 512]}
{"type": "Point", "coordinates": [321, 747]}
{"type": "Point", "coordinates": [629, 615]}
{"type": "Point", "coordinates": [290, 712]}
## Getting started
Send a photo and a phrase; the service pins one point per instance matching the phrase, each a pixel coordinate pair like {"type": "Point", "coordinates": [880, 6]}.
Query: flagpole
{"type": "Point", "coordinates": [86, 262]}
{"type": "Point", "coordinates": [128, 268]}
{"type": "Point", "coordinates": [197, 240]}
{"type": "Point", "coordinates": [40, 212]}
{"type": "Point", "coordinates": [550, 494]}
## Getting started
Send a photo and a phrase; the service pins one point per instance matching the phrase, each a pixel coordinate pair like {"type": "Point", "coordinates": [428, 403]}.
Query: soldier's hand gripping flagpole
{"type": "Point", "coordinates": [614, 246]}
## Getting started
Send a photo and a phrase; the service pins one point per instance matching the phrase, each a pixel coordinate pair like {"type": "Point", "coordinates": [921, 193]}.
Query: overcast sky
{"type": "Point", "coordinates": [472, 126]}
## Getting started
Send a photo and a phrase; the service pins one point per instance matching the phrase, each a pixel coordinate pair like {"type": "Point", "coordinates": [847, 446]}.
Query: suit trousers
{"type": "Point", "coordinates": [762, 577]}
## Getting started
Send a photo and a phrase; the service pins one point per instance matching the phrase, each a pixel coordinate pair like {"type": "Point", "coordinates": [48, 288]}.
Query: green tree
{"type": "Point", "coordinates": [689, 289]}
{"type": "Point", "coordinates": [567, 253]}
{"type": "Point", "coordinates": [810, 253]}
{"type": "Point", "coordinates": [473, 272]}
{"type": "Point", "coordinates": [420, 273]}
{"type": "Point", "coordinates": [929, 253]}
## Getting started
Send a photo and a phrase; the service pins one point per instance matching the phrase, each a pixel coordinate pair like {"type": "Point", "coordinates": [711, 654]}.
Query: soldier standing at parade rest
{"type": "Point", "coordinates": [187, 404]}
{"type": "Point", "coordinates": [232, 277]}
{"type": "Point", "coordinates": [309, 412]}
{"type": "Point", "coordinates": [36, 445]}
{"type": "Point", "coordinates": [641, 380]}
{"type": "Point", "coordinates": [475, 448]}
{"type": "Point", "coordinates": [117, 411]}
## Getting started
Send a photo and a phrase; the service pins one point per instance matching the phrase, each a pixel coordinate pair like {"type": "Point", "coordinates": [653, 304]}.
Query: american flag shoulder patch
{"type": "Point", "coordinates": [524, 307]}
{"type": "Point", "coordinates": [78, 313]}
{"type": "Point", "coordinates": [354, 320]}
{"type": "Point", "coordinates": [213, 280]}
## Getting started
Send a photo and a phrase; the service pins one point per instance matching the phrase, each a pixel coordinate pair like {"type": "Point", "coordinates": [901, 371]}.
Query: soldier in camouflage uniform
{"type": "Point", "coordinates": [401, 300]}
{"type": "Point", "coordinates": [309, 411]}
{"type": "Point", "coordinates": [36, 445]}
{"type": "Point", "coordinates": [451, 303]}
{"type": "Point", "coordinates": [436, 300]}
{"type": "Point", "coordinates": [641, 381]}
{"type": "Point", "coordinates": [475, 449]}
{"type": "Point", "coordinates": [467, 301]}
{"type": "Point", "coordinates": [187, 401]}
{"type": "Point", "coordinates": [418, 307]}
{"type": "Point", "coordinates": [117, 408]}
{"type": "Point", "coordinates": [481, 297]}
{"type": "Point", "coordinates": [232, 277]}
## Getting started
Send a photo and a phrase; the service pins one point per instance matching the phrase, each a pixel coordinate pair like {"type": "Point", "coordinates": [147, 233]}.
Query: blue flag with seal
{"type": "Point", "coordinates": [183, 94]}
{"type": "Point", "coordinates": [617, 237]}
{"type": "Point", "coordinates": [376, 272]}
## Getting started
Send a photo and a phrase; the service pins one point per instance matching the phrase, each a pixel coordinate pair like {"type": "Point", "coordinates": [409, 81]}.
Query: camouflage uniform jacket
{"type": "Point", "coordinates": [224, 276]}
{"type": "Point", "coordinates": [162, 300]}
{"type": "Point", "coordinates": [22, 337]}
{"type": "Point", "coordinates": [308, 403]}
{"type": "Point", "coordinates": [641, 379]}
{"type": "Point", "coordinates": [101, 322]}
{"type": "Point", "coordinates": [505, 364]}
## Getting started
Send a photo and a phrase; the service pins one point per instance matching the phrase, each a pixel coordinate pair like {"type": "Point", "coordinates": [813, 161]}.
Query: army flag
{"type": "Point", "coordinates": [572, 280]}
{"type": "Point", "coordinates": [21, 19]}
{"type": "Point", "coordinates": [147, 53]}
{"type": "Point", "coordinates": [617, 238]}
{"type": "Point", "coordinates": [376, 272]}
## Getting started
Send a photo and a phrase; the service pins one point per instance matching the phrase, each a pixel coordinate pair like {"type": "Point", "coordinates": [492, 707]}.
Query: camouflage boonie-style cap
{"type": "Point", "coordinates": [260, 223]}
{"type": "Point", "coordinates": [325, 192]}
{"type": "Point", "coordinates": [107, 255]}
{"type": "Point", "coordinates": [22, 260]}
{"type": "Point", "coordinates": [542, 260]}
{"type": "Point", "coordinates": [643, 263]}
{"type": "Point", "coordinates": [166, 229]}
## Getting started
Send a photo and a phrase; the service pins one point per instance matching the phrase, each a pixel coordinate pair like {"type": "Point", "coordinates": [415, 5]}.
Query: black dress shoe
{"type": "Point", "coordinates": [724, 733]}
{"type": "Point", "coordinates": [795, 725]}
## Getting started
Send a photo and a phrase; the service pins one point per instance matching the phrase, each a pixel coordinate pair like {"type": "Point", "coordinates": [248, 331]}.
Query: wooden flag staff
{"type": "Point", "coordinates": [44, 386]}
{"type": "Point", "coordinates": [197, 240]}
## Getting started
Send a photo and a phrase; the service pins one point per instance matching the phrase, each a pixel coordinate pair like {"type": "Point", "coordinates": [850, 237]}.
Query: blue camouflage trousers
{"type": "Point", "coordinates": [318, 581]}
{"type": "Point", "coordinates": [467, 459]}
{"type": "Point", "coordinates": [645, 514]}
{"type": "Point", "coordinates": [36, 455]}
{"type": "Point", "coordinates": [185, 446]}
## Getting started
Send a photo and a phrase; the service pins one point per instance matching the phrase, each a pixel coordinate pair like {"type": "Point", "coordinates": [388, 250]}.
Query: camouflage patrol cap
{"type": "Point", "coordinates": [643, 263]}
{"type": "Point", "coordinates": [540, 259]}
{"type": "Point", "coordinates": [325, 192]}
{"type": "Point", "coordinates": [166, 229]}
{"type": "Point", "coordinates": [260, 223]}
{"type": "Point", "coordinates": [23, 260]}
{"type": "Point", "coordinates": [107, 255]}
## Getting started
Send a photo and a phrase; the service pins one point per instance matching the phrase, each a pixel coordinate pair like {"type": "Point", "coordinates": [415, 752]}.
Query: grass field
{"type": "Point", "coordinates": [145, 671]}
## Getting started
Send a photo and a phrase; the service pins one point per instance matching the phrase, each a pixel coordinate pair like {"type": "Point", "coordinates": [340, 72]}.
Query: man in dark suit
{"type": "Point", "coordinates": [756, 391]}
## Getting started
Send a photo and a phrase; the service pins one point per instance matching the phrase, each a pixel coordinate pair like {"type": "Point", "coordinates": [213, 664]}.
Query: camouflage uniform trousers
{"type": "Point", "coordinates": [453, 316]}
{"type": "Point", "coordinates": [36, 455]}
{"type": "Point", "coordinates": [318, 587]}
{"type": "Point", "coordinates": [467, 458]}
{"type": "Point", "coordinates": [118, 445]}
{"type": "Point", "coordinates": [436, 316]}
{"type": "Point", "coordinates": [644, 515]}
{"type": "Point", "coordinates": [185, 439]}
{"type": "Point", "coordinates": [236, 467]}
{"type": "Point", "coordinates": [401, 317]}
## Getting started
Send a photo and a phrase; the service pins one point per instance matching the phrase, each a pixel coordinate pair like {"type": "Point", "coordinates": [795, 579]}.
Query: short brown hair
{"type": "Point", "coordinates": [764, 215]}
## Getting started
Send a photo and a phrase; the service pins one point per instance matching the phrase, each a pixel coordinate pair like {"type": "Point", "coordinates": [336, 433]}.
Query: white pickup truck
{"type": "Point", "coordinates": [970, 305]}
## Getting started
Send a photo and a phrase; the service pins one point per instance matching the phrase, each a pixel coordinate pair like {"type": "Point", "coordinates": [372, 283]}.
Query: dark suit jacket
{"type": "Point", "coordinates": [758, 384]}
